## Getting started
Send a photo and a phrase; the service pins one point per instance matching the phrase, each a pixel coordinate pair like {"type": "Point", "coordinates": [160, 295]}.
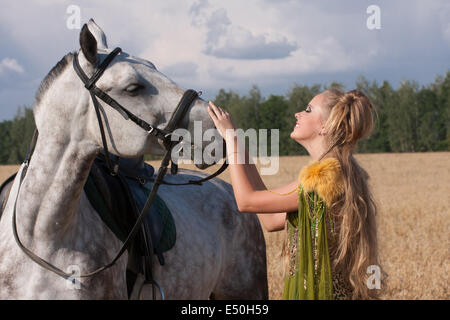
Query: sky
{"type": "Point", "coordinates": [208, 45]}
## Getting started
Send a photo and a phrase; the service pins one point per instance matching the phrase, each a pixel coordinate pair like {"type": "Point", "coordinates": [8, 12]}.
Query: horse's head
{"type": "Point", "coordinates": [135, 84]}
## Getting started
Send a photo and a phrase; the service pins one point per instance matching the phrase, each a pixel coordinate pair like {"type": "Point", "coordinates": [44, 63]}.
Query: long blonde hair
{"type": "Point", "coordinates": [349, 121]}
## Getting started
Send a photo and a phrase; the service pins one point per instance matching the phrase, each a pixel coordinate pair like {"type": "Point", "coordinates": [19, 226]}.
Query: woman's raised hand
{"type": "Point", "coordinates": [222, 120]}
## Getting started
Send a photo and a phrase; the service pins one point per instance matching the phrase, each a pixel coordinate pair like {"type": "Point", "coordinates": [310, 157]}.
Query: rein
{"type": "Point", "coordinates": [162, 134]}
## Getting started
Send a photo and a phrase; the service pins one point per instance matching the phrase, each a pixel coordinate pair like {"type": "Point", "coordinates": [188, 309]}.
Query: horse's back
{"type": "Point", "coordinates": [217, 247]}
{"type": "Point", "coordinates": [211, 229]}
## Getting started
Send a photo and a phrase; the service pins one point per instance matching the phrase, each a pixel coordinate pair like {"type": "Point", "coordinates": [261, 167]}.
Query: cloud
{"type": "Point", "coordinates": [444, 15]}
{"type": "Point", "coordinates": [226, 40]}
{"type": "Point", "coordinates": [446, 32]}
{"type": "Point", "coordinates": [181, 69]}
{"type": "Point", "coordinates": [11, 65]}
{"type": "Point", "coordinates": [239, 43]}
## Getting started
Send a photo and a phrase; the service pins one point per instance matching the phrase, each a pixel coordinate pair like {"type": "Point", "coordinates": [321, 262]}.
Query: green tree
{"type": "Point", "coordinates": [5, 141]}
{"type": "Point", "coordinates": [245, 110]}
{"type": "Point", "coordinates": [442, 88]}
{"type": "Point", "coordinates": [428, 121]}
{"type": "Point", "coordinates": [335, 85]}
{"type": "Point", "coordinates": [402, 118]}
{"type": "Point", "coordinates": [226, 99]}
{"type": "Point", "coordinates": [273, 115]}
{"type": "Point", "coordinates": [21, 132]}
{"type": "Point", "coordinates": [381, 98]}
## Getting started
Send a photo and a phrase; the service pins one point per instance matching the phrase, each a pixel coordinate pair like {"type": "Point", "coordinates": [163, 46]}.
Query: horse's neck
{"type": "Point", "coordinates": [50, 194]}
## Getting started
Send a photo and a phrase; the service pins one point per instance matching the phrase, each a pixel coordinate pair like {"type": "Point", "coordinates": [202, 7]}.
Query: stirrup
{"type": "Point", "coordinates": [153, 283]}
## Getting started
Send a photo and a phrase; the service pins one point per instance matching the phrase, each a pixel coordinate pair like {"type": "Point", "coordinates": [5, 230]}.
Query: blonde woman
{"type": "Point", "coordinates": [328, 211]}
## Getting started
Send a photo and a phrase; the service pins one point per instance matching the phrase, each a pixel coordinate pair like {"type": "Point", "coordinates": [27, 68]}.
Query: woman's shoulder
{"type": "Point", "coordinates": [323, 178]}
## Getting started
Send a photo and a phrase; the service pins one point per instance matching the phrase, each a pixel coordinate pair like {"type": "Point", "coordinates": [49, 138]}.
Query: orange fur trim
{"type": "Point", "coordinates": [324, 177]}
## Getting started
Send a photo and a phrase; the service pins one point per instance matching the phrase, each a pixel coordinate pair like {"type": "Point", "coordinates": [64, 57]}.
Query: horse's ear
{"type": "Point", "coordinates": [88, 45]}
{"type": "Point", "coordinates": [98, 34]}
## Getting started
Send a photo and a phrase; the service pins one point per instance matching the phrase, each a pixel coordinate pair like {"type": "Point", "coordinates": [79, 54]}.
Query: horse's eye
{"type": "Point", "coordinates": [134, 88]}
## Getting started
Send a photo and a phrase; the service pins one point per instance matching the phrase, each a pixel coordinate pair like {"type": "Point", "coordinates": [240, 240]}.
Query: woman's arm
{"type": "Point", "coordinates": [257, 199]}
{"type": "Point", "coordinates": [270, 221]}
{"type": "Point", "coordinates": [249, 190]}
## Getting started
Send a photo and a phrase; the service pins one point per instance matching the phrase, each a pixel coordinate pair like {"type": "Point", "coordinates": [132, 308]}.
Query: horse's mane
{"type": "Point", "coordinates": [51, 76]}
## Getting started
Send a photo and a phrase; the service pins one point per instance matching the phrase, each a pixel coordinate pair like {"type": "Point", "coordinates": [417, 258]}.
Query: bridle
{"type": "Point", "coordinates": [165, 135]}
{"type": "Point", "coordinates": [162, 134]}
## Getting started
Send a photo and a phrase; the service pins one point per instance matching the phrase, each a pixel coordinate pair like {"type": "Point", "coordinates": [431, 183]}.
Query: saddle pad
{"type": "Point", "coordinates": [168, 232]}
{"type": "Point", "coordinates": [158, 207]}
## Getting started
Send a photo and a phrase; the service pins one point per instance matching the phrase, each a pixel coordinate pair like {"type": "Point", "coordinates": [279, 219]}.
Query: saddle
{"type": "Point", "coordinates": [116, 198]}
{"type": "Point", "coordinates": [119, 199]}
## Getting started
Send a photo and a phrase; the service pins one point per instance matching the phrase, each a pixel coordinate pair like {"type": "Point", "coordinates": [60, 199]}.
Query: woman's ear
{"type": "Point", "coordinates": [88, 45]}
{"type": "Point", "coordinates": [323, 131]}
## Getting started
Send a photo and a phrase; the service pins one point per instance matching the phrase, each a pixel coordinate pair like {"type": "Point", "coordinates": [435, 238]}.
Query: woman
{"type": "Point", "coordinates": [331, 218]}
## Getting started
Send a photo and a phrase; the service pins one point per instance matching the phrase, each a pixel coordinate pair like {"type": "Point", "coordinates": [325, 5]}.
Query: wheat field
{"type": "Point", "coordinates": [412, 191]}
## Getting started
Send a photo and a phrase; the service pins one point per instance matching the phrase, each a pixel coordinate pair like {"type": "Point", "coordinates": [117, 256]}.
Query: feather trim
{"type": "Point", "coordinates": [324, 177]}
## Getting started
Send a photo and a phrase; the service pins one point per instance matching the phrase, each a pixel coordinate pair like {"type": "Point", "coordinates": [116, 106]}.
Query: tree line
{"type": "Point", "coordinates": [411, 118]}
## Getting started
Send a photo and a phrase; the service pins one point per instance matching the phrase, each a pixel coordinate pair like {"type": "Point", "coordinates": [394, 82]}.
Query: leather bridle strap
{"type": "Point", "coordinates": [89, 84]}
{"type": "Point", "coordinates": [178, 115]}
{"type": "Point", "coordinates": [188, 97]}
{"type": "Point", "coordinates": [163, 134]}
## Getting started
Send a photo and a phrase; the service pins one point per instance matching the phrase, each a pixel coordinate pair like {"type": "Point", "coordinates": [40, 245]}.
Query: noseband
{"type": "Point", "coordinates": [163, 135]}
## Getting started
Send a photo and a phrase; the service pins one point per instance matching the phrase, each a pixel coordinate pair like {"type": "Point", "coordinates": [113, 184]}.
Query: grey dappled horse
{"type": "Point", "coordinates": [218, 251]}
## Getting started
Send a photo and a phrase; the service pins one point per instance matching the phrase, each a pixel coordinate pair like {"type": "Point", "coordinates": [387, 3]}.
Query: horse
{"type": "Point", "coordinates": [219, 252]}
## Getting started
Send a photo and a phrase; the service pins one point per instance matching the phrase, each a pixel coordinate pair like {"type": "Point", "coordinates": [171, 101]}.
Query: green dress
{"type": "Point", "coordinates": [309, 275]}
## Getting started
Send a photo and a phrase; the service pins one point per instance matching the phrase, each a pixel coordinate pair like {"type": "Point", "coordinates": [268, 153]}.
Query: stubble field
{"type": "Point", "coordinates": [412, 191]}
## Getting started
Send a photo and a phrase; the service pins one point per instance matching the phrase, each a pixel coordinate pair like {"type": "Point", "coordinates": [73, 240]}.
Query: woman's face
{"type": "Point", "coordinates": [311, 120]}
